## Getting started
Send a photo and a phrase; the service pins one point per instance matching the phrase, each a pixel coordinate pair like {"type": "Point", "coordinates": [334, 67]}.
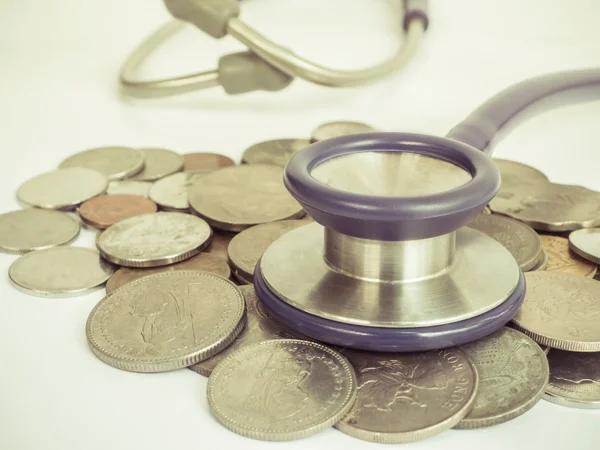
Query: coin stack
{"type": "Point", "coordinates": [178, 239]}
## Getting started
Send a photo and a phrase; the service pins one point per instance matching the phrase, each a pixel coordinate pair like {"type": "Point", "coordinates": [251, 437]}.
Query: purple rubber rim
{"type": "Point", "coordinates": [390, 339]}
{"type": "Point", "coordinates": [392, 218]}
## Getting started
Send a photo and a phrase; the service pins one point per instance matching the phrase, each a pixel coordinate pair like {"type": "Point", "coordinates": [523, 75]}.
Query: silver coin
{"type": "Point", "coordinates": [586, 243]}
{"type": "Point", "coordinates": [114, 163]}
{"type": "Point", "coordinates": [277, 151]}
{"type": "Point", "coordinates": [515, 174]}
{"type": "Point", "coordinates": [60, 272]}
{"type": "Point", "coordinates": [336, 129]}
{"type": "Point", "coordinates": [238, 197]}
{"type": "Point", "coordinates": [574, 379]}
{"type": "Point", "coordinates": [549, 206]}
{"type": "Point", "coordinates": [561, 310]}
{"type": "Point", "coordinates": [36, 229]}
{"type": "Point", "coordinates": [165, 321]}
{"type": "Point", "coordinates": [281, 389]}
{"type": "Point", "coordinates": [405, 397]}
{"type": "Point", "coordinates": [260, 326]}
{"type": "Point", "coordinates": [170, 193]}
{"type": "Point", "coordinates": [129, 187]}
{"type": "Point", "coordinates": [62, 188]}
{"type": "Point", "coordinates": [158, 164]}
{"type": "Point", "coordinates": [520, 239]}
{"type": "Point", "coordinates": [513, 374]}
{"type": "Point", "coordinates": [247, 247]}
{"type": "Point", "coordinates": [152, 240]}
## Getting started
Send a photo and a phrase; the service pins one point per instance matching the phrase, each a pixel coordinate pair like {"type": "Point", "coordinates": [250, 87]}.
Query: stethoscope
{"type": "Point", "coordinates": [266, 66]}
{"type": "Point", "coordinates": [389, 263]}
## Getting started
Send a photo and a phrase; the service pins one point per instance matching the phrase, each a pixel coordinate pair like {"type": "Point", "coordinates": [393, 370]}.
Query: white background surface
{"type": "Point", "coordinates": [59, 94]}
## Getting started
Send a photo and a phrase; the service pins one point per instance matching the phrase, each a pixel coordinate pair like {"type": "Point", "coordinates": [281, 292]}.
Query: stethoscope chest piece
{"type": "Point", "coordinates": [389, 264]}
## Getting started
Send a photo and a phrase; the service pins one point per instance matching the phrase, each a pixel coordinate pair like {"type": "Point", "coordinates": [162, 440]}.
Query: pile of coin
{"type": "Point", "coordinates": [178, 239]}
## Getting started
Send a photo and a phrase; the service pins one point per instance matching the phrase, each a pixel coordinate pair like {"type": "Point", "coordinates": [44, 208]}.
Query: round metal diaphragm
{"type": "Point", "coordinates": [482, 275]}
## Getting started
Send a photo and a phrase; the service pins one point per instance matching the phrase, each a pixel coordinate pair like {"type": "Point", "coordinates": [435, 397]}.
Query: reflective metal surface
{"type": "Point", "coordinates": [586, 243]}
{"type": "Point", "coordinates": [482, 275]}
{"type": "Point", "coordinates": [390, 174]}
{"type": "Point", "coordinates": [388, 260]}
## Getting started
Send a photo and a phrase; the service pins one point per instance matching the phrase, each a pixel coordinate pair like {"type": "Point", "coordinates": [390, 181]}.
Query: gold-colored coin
{"type": "Point", "coordinates": [561, 310]}
{"type": "Point", "coordinates": [562, 259]}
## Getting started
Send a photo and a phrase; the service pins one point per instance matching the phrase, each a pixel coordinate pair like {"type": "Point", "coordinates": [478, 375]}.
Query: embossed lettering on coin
{"type": "Point", "coordinates": [574, 379]}
{"type": "Point", "coordinates": [277, 151]}
{"type": "Point", "coordinates": [520, 239]}
{"type": "Point", "coordinates": [165, 321]}
{"type": "Point", "coordinates": [236, 198]}
{"type": "Point", "coordinates": [35, 229]}
{"type": "Point", "coordinates": [246, 248]}
{"type": "Point", "coordinates": [561, 310]}
{"type": "Point", "coordinates": [404, 397]}
{"type": "Point", "coordinates": [550, 206]}
{"type": "Point", "coordinates": [154, 239]}
{"type": "Point", "coordinates": [281, 389]}
{"type": "Point", "coordinates": [513, 374]}
{"type": "Point", "coordinates": [202, 261]}
{"type": "Point", "coordinates": [113, 162]}
{"type": "Point", "coordinates": [260, 326]}
{"type": "Point", "coordinates": [562, 259]}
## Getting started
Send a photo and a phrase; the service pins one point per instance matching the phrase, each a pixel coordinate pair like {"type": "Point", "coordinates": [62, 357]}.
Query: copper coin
{"type": "Point", "coordinates": [193, 162]}
{"type": "Point", "coordinates": [562, 259]}
{"type": "Point", "coordinates": [105, 210]}
{"type": "Point", "coordinates": [202, 262]}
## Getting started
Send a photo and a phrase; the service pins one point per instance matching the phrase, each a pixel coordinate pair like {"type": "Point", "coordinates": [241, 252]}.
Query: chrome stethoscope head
{"type": "Point", "coordinates": [389, 264]}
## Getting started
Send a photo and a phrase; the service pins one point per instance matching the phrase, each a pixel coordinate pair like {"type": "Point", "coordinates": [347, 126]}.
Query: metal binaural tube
{"type": "Point", "coordinates": [388, 261]}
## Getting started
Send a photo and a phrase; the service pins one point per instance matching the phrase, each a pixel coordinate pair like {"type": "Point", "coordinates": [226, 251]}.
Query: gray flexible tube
{"type": "Point", "coordinates": [482, 128]}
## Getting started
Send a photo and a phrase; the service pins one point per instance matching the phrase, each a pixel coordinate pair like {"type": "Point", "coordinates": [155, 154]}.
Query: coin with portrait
{"type": "Point", "coordinates": [282, 389]}
{"type": "Point", "coordinates": [165, 321]}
